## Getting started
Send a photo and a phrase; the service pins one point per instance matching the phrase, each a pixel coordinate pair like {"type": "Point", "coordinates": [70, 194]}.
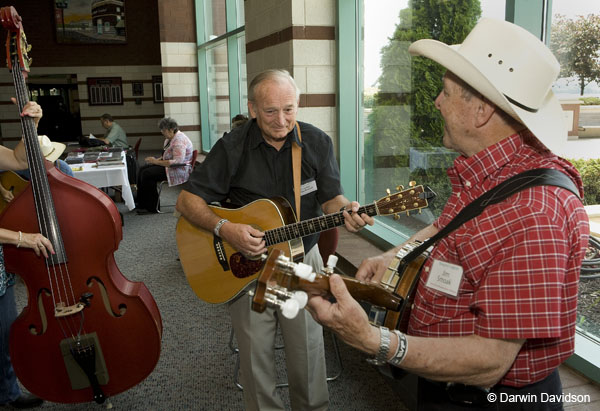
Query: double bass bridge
{"type": "Point", "coordinates": [61, 310]}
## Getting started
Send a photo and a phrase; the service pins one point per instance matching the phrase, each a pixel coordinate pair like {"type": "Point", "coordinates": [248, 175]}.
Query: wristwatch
{"type": "Point", "coordinates": [384, 347]}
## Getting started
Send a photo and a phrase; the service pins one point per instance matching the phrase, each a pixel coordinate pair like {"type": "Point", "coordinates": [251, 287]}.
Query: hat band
{"type": "Point", "coordinates": [521, 106]}
{"type": "Point", "coordinates": [51, 151]}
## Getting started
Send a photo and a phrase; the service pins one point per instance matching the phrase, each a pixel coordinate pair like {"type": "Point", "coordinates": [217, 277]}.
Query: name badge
{"type": "Point", "coordinates": [308, 187]}
{"type": "Point", "coordinates": [445, 277]}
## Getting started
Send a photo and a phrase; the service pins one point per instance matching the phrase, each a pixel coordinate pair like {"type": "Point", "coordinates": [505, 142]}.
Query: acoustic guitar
{"type": "Point", "coordinates": [11, 182]}
{"type": "Point", "coordinates": [217, 272]}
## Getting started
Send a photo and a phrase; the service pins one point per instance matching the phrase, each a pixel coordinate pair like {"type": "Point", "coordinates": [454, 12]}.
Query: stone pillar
{"type": "Point", "coordinates": [299, 36]}
{"type": "Point", "coordinates": [180, 65]}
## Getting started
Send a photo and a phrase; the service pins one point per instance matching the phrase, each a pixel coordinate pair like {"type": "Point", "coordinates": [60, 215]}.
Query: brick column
{"type": "Point", "coordinates": [180, 65]}
{"type": "Point", "coordinates": [299, 36]}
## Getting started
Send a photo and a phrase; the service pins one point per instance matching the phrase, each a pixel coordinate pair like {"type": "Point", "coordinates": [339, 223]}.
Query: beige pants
{"type": "Point", "coordinates": [304, 354]}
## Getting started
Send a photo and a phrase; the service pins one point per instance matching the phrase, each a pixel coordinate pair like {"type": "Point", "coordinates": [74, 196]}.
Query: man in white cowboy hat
{"type": "Point", "coordinates": [510, 321]}
{"type": "Point", "coordinates": [51, 150]}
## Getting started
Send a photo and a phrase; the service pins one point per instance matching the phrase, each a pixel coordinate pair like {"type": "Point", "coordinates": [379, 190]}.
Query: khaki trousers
{"type": "Point", "coordinates": [304, 354]}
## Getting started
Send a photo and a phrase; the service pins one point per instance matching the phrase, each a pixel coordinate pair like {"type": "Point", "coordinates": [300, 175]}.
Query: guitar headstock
{"type": "Point", "coordinates": [286, 285]}
{"type": "Point", "coordinates": [413, 198]}
{"type": "Point", "coordinates": [274, 288]}
{"type": "Point", "coordinates": [16, 42]}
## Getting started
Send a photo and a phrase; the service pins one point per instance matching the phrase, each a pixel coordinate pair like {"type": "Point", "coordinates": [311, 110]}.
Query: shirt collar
{"type": "Point", "coordinates": [256, 138]}
{"type": "Point", "coordinates": [472, 171]}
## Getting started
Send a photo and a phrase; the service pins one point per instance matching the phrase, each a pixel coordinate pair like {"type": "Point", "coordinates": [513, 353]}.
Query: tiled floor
{"type": "Point", "coordinates": [585, 394]}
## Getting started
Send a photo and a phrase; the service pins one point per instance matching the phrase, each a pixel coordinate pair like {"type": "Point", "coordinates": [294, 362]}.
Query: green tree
{"type": "Point", "coordinates": [404, 115]}
{"type": "Point", "coordinates": [576, 45]}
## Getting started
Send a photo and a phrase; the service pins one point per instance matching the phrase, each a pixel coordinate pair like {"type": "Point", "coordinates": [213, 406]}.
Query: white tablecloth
{"type": "Point", "coordinates": [104, 176]}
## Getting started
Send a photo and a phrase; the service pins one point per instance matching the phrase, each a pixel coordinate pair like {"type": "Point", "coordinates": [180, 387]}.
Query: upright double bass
{"type": "Point", "coordinates": [87, 332]}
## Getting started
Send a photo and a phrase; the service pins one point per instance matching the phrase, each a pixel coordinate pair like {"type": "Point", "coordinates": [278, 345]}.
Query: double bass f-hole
{"type": "Point", "coordinates": [87, 333]}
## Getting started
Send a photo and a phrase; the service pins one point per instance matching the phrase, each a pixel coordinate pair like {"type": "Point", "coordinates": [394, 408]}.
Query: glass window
{"type": "Point", "coordinates": [218, 90]}
{"type": "Point", "coordinates": [240, 13]}
{"type": "Point", "coordinates": [577, 22]}
{"type": "Point", "coordinates": [215, 24]}
{"type": "Point", "coordinates": [401, 130]}
{"type": "Point", "coordinates": [221, 66]}
{"type": "Point", "coordinates": [243, 83]}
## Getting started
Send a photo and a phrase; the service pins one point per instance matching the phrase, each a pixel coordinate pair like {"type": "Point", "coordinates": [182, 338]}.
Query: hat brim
{"type": "Point", "coordinates": [57, 150]}
{"type": "Point", "coordinates": [547, 123]}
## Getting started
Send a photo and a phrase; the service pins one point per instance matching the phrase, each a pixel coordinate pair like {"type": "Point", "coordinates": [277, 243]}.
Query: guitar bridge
{"type": "Point", "coordinates": [220, 252]}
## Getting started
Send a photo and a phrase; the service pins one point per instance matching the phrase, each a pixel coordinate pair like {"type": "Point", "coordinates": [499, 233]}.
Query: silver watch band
{"type": "Point", "coordinates": [384, 347]}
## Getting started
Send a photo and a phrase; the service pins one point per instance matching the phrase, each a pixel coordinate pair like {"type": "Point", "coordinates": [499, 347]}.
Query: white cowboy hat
{"type": "Point", "coordinates": [510, 67]}
{"type": "Point", "coordinates": [50, 149]}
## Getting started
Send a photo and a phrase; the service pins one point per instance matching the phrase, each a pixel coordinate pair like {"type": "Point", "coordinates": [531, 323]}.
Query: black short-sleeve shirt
{"type": "Point", "coordinates": [242, 168]}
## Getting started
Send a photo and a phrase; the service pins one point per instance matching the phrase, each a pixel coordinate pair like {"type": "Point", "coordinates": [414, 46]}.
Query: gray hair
{"type": "Point", "coordinates": [167, 123]}
{"type": "Point", "coordinates": [271, 74]}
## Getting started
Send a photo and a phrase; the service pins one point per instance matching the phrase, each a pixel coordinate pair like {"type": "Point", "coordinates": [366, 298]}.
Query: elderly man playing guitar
{"type": "Point", "coordinates": [253, 162]}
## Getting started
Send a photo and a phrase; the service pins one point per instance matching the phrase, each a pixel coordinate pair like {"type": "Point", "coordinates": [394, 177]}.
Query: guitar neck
{"type": "Point", "coordinates": [370, 292]}
{"type": "Point", "coordinates": [312, 226]}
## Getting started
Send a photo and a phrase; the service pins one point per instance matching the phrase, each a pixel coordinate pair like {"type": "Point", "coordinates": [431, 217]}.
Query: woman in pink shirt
{"type": "Point", "coordinates": [174, 166]}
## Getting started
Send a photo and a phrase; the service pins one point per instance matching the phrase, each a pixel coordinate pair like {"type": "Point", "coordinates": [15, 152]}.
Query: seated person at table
{"type": "Point", "coordinates": [115, 135]}
{"type": "Point", "coordinates": [174, 166]}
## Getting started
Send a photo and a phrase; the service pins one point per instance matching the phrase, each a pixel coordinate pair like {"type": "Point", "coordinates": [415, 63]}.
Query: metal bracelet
{"type": "Point", "coordinates": [384, 347]}
{"type": "Point", "coordinates": [401, 350]}
{"type": "Point", "coordinates": [217, 228]}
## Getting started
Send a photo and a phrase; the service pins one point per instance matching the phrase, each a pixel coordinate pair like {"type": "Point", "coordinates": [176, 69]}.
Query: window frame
{"type": "Point", "coordinates": [233, 63]}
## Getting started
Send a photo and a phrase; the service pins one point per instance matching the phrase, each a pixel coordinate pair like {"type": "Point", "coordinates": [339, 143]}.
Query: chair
{"type": "Point", "coordinates": [136, 148]}
{"type": "Point", "coordinates": [162, 183]}
{"type": "Point", "coordinates": [328, 242]}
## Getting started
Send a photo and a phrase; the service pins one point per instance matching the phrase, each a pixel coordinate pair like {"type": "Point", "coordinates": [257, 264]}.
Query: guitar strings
{"type": "Point", "coordinates": [311, 226]}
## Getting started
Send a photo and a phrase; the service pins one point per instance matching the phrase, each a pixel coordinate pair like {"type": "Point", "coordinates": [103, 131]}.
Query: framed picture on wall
{"type": "Point", "coordinates": [90, 21]}
{"type": "Point", "coordinates": [105, 91]}
{"type": "Point", "coordinates": [137, 88]}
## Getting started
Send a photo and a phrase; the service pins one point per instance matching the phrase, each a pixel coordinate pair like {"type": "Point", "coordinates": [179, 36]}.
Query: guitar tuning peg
{"type": "Point", "coordinates": [412, 183]}
{"type": "Point", "coordinates": [396, 216]}
{"type": "Point", "coordinates": [419, 211]}
{"type": "Point", "coordinates": [400, 188]}
{"type": "Point", "coordinates": [387, 190]}
{"type": "Point", "coordinates": [408, 213]}
{"type": "Point", "coordinates": [301, 297]}
{"type": "Point", "coordinates": [290, 308]}
{"type": "Point", "coordinates": [331, 263]}
{"type": "Point", "coordinates": [305, 271]}
{"type": "Point", "coordinates": [28, 48]}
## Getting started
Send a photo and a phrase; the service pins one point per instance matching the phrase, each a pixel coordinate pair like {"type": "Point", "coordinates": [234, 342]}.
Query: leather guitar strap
{"type": "Point", "coordinates": [297, 167]}
{"type": "Point", "coordinates": [530, 178]}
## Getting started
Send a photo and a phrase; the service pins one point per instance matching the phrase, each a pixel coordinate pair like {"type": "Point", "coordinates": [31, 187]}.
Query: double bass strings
{"type": "Point", "coordinates": [58, 275]}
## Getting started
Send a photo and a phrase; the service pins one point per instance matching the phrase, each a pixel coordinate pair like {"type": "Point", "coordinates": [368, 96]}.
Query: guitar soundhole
{"type": "Point", "coordinates": [243, 267]}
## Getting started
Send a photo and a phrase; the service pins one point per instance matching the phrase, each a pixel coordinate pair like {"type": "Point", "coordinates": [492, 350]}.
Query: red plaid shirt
{"type": "Point", "coordinates": [521, 260]}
